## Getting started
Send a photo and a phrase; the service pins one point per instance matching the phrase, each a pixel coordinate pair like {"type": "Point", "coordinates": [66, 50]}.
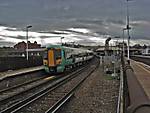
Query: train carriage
{"type": "Point", "coordinates": [57, 58]}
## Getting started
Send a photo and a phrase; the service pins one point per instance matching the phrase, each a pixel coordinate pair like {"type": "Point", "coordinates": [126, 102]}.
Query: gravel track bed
{"type": "Point", "coordinates": [6, 103]}
{"type": "Point", "coordinates": [19, 79]}
{"type": "Point", "coordinates": [14, 91]}
{"type": "Point", "coordinates": [98, 94]}
{"type": "Point", "coordinates": [43, 104]}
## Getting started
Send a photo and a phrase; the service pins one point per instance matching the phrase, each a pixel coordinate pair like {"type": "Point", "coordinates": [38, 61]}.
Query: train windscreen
{"type": "Point", "coordinates": [58, 54]}
{"type": "Point", "coordinates": [45, 55]}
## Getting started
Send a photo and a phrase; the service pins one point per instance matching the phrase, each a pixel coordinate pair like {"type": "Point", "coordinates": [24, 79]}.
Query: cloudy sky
{"type": "Point", "coordinates": [82, 21]}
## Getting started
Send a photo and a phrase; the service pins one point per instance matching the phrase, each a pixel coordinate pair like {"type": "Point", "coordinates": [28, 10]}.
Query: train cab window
{"type": "Point", "coordinates": [58, 54]}
{"type": "Point", "coordinates": [45, 55]}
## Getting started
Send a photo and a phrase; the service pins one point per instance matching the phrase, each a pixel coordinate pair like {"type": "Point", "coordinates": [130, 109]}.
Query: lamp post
{"type": "Point", "coordinates": [128, 28]}
{"type": "Point", "coordinates": [61, 39]}
{"type": "Point", "coordinates": [27, 52]}
{"type": "Point", "coordinates": [123, 40]}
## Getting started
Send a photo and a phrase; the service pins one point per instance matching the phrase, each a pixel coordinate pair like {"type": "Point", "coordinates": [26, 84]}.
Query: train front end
{"type": "Point", "coordinates": [53, 60]}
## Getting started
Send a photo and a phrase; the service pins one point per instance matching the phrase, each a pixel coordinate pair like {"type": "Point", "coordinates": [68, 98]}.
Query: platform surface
{"type": "Point", "coordinates": [6, 74]}
{"type": "Point", "coordinates": [142, 72]}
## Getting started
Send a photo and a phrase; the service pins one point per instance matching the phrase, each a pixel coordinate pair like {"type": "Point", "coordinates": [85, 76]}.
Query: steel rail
{"type": "Point", "coordinates": [58, 83]}
{"type": "Point", "coordinates": [11, 99]}
{"type": "Point", "coordinates": [13, 81]}
{"type": "Point", "coordinates": [36, 95]}
{"type": "Point", "coordinates": [30, 88]}
{"type": "Point", "coordinates": [59, 104]}
{"type": "Point", "coordinates": [53, 87]}
{"type": "Point", "coordinates": [22, 84]}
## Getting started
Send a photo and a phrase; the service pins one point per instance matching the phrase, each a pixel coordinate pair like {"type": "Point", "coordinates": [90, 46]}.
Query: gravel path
{"type": "Point", "coordinates": [98, 94]}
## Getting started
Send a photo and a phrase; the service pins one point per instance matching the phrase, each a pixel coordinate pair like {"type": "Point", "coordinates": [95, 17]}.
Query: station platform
{"type": "Point", "coordinates": [142, 72]}
{"type": "Point", "coordinates": [11, 73]}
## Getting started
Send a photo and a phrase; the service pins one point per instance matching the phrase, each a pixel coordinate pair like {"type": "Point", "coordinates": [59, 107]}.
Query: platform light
{"type": "Point", "coordinates": [128, 31]}
{"type": "Point", "coordinates": [27, 52]}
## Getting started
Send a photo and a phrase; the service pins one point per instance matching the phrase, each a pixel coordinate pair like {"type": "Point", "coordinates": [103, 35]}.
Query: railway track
{"type": "Point", "coordinates": [13, 91]}
{"type": "Point", "coordinates": [19, 85]}
{"type": "Point", "coordinates": [14, 81]}
{"type": "Point", "coordinates": [24, 78]}
{"type": "Point", "coordinates": [56, 92]}
{"type": "Point", "coordinates": [20, 93]}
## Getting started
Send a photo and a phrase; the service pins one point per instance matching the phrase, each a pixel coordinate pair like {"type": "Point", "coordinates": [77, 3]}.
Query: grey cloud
{"type": "Point", "coordinates": [19, 37]}
{"type": "Point", "coordinates": [89, 42]}
{"type": "Point", "coordinates": [76, 32]}
{"type": "Point", "coordinates": [140, 23]}
{"type": "Point", "coordinates": [1, 39]}
{"type": "Point", "coordinates": [95, 15]}
{"type": "Point", "coordinates": [43, 37]}
{"type": "Point", "coordinates": [3, 24]}
{"type": "Point", "coordinates": [15, 37]}
{"type": "Point", "coordinates": [53, 32]}
{"type": "Point", "coordinates": [113, 21]}
{"type": "Point", "coordinates": [92, 21]}
{"type": "Point", "coordinates": [4, 43]}
{"type": "Point", "coordinates": [135, 24]}
{"type": "Point", "coordinates": [140, 37]}
{"type": "Point", "coordinates": [11, 29]}
{"type": "Point", "coordinates": [102, 22]}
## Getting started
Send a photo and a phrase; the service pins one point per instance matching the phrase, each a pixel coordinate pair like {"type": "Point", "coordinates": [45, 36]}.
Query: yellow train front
{"type": "Point", "coordinates": [53, 59]}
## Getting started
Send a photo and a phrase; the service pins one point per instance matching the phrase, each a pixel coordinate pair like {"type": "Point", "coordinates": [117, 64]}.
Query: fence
{"type": "Point", "coordinates": [12, 63]}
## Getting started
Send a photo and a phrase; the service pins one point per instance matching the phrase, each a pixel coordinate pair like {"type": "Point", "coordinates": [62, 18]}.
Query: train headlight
{"type": "Point", "coordinates": [45, 62]}
{"type": "Point", "coordinates": [58, 61]}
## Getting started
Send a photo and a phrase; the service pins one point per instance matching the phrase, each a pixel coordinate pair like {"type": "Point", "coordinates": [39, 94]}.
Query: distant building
{"type": "Point", "coordinates": [146, 51]}
{"type": "Point", "coordinates": [22, 45]}
{"type": "Point", "coordinates": [120, 45]}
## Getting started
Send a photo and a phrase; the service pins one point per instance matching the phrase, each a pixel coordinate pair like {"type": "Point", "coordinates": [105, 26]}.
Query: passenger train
{"type": "Point", "coordinates": [58, 58]}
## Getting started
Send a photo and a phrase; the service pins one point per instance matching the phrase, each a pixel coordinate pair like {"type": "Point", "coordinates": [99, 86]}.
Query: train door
{"type": "Point", "coordinates": [51, 61]}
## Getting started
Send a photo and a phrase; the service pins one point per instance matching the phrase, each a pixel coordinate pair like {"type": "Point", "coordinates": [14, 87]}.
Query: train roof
{"type": "Point", "coordinates": [54, 46]}
{"type": "Point", "coordinates": [69, 48]}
